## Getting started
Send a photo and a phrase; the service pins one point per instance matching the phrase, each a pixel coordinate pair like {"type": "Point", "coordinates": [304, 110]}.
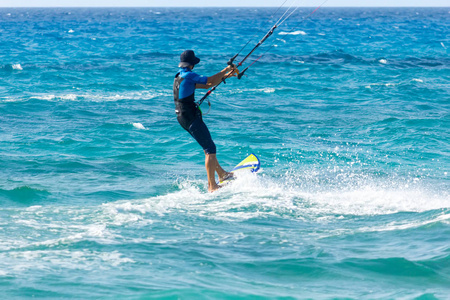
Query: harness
{"type": "Point", "coordinates": [185, 108]}
{"type": "Point", "coordinates": [176, 91]}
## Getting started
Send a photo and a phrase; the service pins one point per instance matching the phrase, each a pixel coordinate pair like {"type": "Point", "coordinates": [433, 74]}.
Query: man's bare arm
{"type": "Point", "coordinates": [216, 78]}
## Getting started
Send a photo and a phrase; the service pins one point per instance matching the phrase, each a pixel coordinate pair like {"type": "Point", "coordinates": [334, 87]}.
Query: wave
{"type": "Point", "coordinates": [295, 197]}
{"type": "Point", "coordinates": [400, 84]}
{"type": "Point", "coordinates": [24, 194]}
{"type": "Point", "coordinates": [257, 90]}
{"type": "Point", "coordinates": [12, 67]}
{"type": "Point", "coordinates": [392, 266]}
{"type": "Point", "coordinates": [138, 126]}
{"type": "Point", "coordinates": [298, 32]}
{"type": "Point", "coordinates": [341, 57]}
{"type": "Point", "coordinates": [90, 97]}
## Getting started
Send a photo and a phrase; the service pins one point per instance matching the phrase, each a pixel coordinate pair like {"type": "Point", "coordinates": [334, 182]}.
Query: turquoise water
{"type": "Point", "coordinates": [104, 195]}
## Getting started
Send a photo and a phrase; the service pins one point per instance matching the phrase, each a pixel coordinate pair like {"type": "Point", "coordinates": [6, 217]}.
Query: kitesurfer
{"type": "Point", "coordinates": [189, 114]}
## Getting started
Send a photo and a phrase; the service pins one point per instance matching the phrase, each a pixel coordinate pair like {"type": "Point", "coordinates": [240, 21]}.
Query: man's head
{"type": "Point", "coordinates": [188, 58]}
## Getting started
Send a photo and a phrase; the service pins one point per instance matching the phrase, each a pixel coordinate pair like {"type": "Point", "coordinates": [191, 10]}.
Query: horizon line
{"type": "Point", "coordinates": [124, 6]}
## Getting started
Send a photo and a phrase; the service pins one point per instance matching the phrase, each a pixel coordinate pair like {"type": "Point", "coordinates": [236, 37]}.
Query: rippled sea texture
{"type": "Point", "coordinates": [103, 195]}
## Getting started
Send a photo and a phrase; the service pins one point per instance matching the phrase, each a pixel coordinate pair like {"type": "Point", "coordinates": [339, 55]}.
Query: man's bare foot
{"type": "Point", "coordinates": [226, 176]}
{"type": "Point", "coordinates": [213, 188]}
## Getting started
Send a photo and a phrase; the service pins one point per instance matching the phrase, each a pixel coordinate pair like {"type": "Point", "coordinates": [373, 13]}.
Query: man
{"type": "Point", "coordinates": [189, 115]}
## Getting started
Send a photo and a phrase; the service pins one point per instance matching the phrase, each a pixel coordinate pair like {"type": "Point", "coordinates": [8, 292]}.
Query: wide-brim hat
{"type": "Point", "coordinates": [188, 58]}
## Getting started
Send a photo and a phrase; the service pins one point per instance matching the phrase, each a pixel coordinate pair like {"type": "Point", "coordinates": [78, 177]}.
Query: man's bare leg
{"type": "Point", "coordinates": [220, 171]}
{"type": "Point", "coordinates": [211, 167]}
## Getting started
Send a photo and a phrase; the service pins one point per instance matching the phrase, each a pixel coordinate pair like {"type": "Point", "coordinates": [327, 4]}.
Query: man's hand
{"type": "Point", "coordinates": [232, 71]}
{"type": "Point", "coordinates": [229, 71]}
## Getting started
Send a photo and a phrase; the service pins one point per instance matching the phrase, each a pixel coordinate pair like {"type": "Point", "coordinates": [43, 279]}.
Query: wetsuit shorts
{"type": "Point", "coordinates": [197, 128]}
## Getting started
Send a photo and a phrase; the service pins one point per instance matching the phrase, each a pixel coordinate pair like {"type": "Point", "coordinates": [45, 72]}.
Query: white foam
{"type": "Point", "coordinates": [382, 61]}
{"type": "Point", "coordinates": [298, 32]}
{"type": "Point", "coordinates": [76, 233]}
{"type": "Point", "coordinates": [417, 80]}
{"type": "Point", "coordinates": [264, 90]}
{"type": "Point", "coordinates": [403, 225]}
{"type": "Point", "coordinates": [256, 196]}
{"type": "Point", "coordinates": [124, 217]}
{"type": "Point", "coordinates": [17, 67]}
{"type": "Point", "coordinates": [147, 95]}
{"type": "Point", "coordinates": [259, 196]}
{"type": "Point", "coordinates": [52, 97]}
{"type": "Point", "coordinates": [189, 194]}
{"type": "Point", "coordinates": [34, 208]}
{"type": "Point", "coordinates": [442, 44]}
{"type": "Point", "coordinates": [389, 84]}
{"type": "Point", "coordinates": [138, 126]}
{"type": "Point", "coordinates": [70, 31]}
{"type": "Point", "coordinates": [21, 261]}
{"type": "Point", "coordinates": [115, 258]}
{"type": "Point", "coordinates": [372, 200]}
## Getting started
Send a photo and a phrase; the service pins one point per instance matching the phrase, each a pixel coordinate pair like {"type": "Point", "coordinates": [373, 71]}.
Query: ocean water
{"type": "Point", "coordinates": [104, 196]}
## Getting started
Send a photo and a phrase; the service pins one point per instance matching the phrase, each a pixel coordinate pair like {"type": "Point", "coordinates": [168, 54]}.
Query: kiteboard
{"type": "Point", "coordinates": [250, 164]}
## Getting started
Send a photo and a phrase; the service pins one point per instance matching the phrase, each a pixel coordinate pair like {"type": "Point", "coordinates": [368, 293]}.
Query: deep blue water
{"type": "Point", "coordinates": [104, 195]}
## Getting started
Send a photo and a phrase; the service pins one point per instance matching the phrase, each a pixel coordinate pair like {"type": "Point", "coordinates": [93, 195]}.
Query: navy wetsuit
{"type": "Point", "coordinates": [188, 113]}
